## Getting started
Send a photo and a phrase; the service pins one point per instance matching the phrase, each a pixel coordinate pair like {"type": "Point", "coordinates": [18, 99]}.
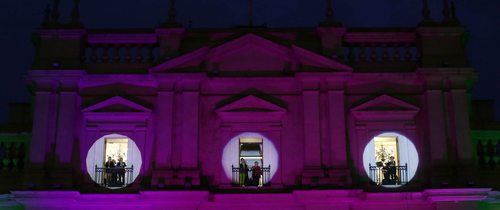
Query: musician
{"type": "Point", "coordinates": [121, 170]}
{"type": "Point", "coordinates": [392, 168]}
{"type": "Point", "coordinates": [110, 164]}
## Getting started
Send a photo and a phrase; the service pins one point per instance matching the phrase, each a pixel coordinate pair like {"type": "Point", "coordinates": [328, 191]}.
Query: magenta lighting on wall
{"type": "Point", "coordinates": [334, 56]}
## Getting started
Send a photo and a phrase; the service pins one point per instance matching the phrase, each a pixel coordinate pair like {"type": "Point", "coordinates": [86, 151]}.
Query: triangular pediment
{"type": "Point", "coordinates": [248, 53]}
{"type": "Point", "coordinates": [116, 104]}
{"type": "Point", "coordinates": [385, 107]}
{"type": "Point", "coordinates": [251, 103]}
{"type": "Point", "coordinates": [385, 102]}
{"type": "Point", "coordinates": [251, 109]}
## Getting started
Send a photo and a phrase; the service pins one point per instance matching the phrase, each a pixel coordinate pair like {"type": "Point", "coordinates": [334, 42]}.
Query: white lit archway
{"type": "Point", "coordinates": [230, 154]}
{"type": "Point", "coordinates": [407, 153]}
{"type": "Point", "coordinates": [95, 156]}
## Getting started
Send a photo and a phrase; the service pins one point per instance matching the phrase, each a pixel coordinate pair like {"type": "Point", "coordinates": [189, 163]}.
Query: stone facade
{"type": "Point", "coordinates": [316, 96]}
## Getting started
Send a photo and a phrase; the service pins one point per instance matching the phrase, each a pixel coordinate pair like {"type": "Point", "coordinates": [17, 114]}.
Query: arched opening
{"type": "Point", "coordinates": [254, 147]}
{"type": "Point", "coordinates": [390, 159]}
{"type": "Point", "coordinates": [114, 161]}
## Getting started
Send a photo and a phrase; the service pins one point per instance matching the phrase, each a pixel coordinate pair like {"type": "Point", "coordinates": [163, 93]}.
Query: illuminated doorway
{"type": "Point", "coordinates": [251, 149]}
{"type": "Point", "coordinates": [385, 147]}
{"type": "Point", "coordinates": [116, 149]}
{"type": "Point", "coordinates": [386, 155]}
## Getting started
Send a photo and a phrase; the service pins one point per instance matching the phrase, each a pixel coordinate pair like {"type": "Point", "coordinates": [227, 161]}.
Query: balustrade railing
{"type": "Point", "coordinates": [380, 46]}
{"type": "Point", "coordinates": [264, 180]}
{"type": "Point", "coordinates": [121, 53]}
{"type": "Point", "coordinates": [488, 156]}
{"type": "Point", "coordinates": [113, 177]}
{"type": "Point", "coordinates": [381, 52]}
{"type": "Point", "coordinates": [12, 156]}
{"type": "Point", "coordinates": [389, 175]}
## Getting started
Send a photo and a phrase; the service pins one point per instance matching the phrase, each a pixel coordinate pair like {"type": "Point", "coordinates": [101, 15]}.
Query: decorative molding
{"type": "Point", "coordinates": [122, 38]}
{"type": "Point", "coordinates": [113, 101]}
{"type": "Point", "coordinates": [440, 31]}
{"type": "Point", "coordinates": [312, 59]}
{"type": "Point", "coordinates": [294, 55]}
{"type": "Point", "coordinates": [250, 109]}
{"type": "Point", "coordinates": [368, 111]}
{"type": "Point", "coordinates": [196, 57]}
{"type": "Point", "coordinates": [62, 33]}
{"type": "Point", "coordinates": [371, 37]}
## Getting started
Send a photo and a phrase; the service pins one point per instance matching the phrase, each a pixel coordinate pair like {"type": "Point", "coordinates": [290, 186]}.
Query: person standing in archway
{"type": "Point", "coordinates": [243, 172]}
{"type": "Point", "coordinates": [256, 173]}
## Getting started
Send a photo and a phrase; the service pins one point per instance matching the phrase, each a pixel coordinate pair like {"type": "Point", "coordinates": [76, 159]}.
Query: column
{"type": "Point", "coordinates": [437, 129]}
{"type": "Point", "coordinates": [225, 136]}
{"type": "Point", "coordinates": [189, 153]}
{"type": "Point", "coordinates": [140, 141]}
{"type": "Point", "coordinates": [40, 120]}
{"type": "Point", "coordinates": [275, 134]}
{"type": "Point", "coordinates": [358, 147]}
{"type": "Point", "coordinates": [52, 121]}
{"type": "Point", "coordinates": [312, 144]}
{"type": "Point", "coordinates": [164, 124]}
{"type": "Point", "coordinates": [66, 126]}
{"type": "Point", "coordinates": [462, 127]}
{"type": "Point", "coordinates": [337, 129]}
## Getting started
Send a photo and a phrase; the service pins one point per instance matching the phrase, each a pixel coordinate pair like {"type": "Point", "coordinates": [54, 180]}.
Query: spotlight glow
{"type": "Point", "coordinates": [95, 156]}
{"type": "Point", "coordinates": [407, 154]}
{"type": "Point", "coordinates": [230, 154]}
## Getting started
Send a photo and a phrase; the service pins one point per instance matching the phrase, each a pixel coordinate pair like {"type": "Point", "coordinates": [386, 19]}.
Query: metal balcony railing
{"type": "Point", "coordinates": [264, 180]}
{"type": "Point", "coordinates": [389, 175]}
{"type": "Point", "coordinates": [114, 177]}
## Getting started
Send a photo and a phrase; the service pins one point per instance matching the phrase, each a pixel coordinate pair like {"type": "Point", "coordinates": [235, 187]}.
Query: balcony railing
{"type": "Point", "coordinates": [114, 177]}
{"type": "Point", "coordinates": [264, 180]}
{"type": "Point", "coordinates": [389, 175]}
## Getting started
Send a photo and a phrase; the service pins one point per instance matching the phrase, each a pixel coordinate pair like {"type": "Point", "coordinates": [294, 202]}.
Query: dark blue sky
{"type": "Point", "coordinates": [19, 18]}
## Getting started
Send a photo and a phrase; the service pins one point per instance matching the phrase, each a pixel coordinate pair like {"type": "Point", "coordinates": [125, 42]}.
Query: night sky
{"type": "Point", "coordinates": [19, 18]}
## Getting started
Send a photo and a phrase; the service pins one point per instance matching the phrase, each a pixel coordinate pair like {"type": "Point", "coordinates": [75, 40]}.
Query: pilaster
{"type": "Point", "coordinates": [442, 46]}
{"type": "Point", "coordinates": [312, 145]}
{"type": "Point", "coordinates": [62, 46]}
{"type": "Point", "coordinates": [164, 124]}
{"type": "Point", "coordinates": [331, 40]}
{"type": "Point", "coordinates": [337, 128]}
{"type": "Point", "coordinates": [170, 40]}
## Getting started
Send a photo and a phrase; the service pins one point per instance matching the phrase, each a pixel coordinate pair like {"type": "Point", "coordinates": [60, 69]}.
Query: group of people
{"type": "Point", "coordinates": [115, 172]}
{"type": "Point", "coordinates": [256, 171]}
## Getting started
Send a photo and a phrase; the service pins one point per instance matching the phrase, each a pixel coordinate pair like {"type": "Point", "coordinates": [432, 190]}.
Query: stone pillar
{"type": "Point", "coordinates": [358, 147]}
{"type": "Point", "coordinates": [62, 46]}
{"type": "Point", "coordinates": [40, 121]}
{"type": "Point", "coordinates": [275, 135]}
{"type": "Point", "coordinates": [164, 124]}
{"type": "Point", "coordinates": [225, 136]}
{"type": "Point", "coordinates": [337, 128]}
{"type": "Point", "coordinates": [462, 127]}
{"type": "Point", "coordinates": [140, 140]}
{"type": "Point", "coordinates": [52, 122]}
{"type": "Point", "coordinates": [436, 126]}
{"type": "Point", "coordinates": [66, 126]}
{"type": "Point", "coordinates": [311, 129]}
{"type": "Point", "coordinates": [170, 40]}
{"type": "Point", "coordinates": [331, 40]}
{"type": "Point", "coordinates": [189, 155]}
{"type": "Point", "coordinates": [442, 46]}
